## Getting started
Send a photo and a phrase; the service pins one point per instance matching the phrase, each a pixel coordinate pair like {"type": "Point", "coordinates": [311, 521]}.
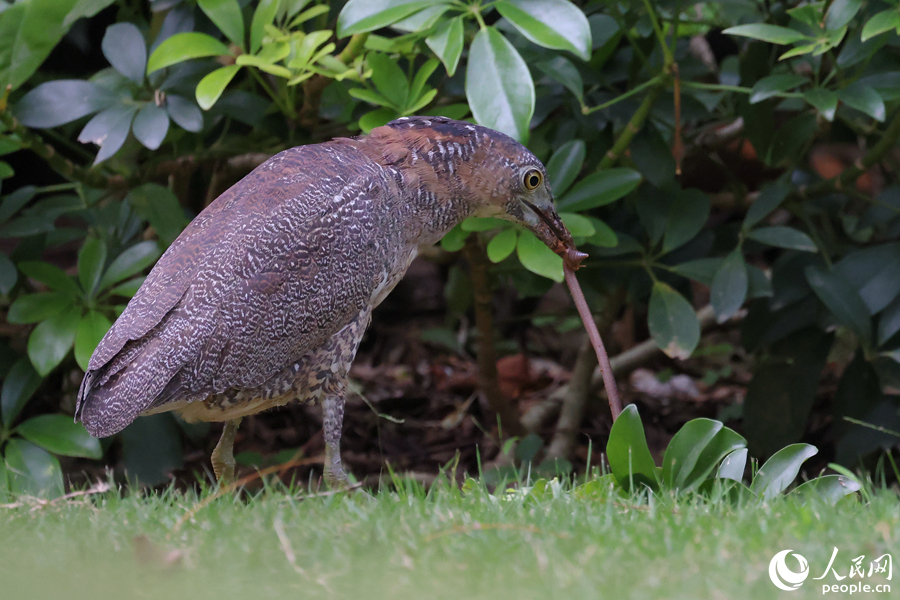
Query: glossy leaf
{"type": "Point", "coordinates": [184, 112]}
{"type": "Point", "coordinates": [824, 101]}
{"type": "Point", "coordinates": [32, 470]}
{"type": "Point", "coordinates": [124, 47]}
{"type": "Point", "coordinates": [783, 237]}
{"type": "Point", "coordinates": [15, 201]}
{"type": "Point", "coordinates": [578, 225]}
{"type": "Point", "coordinates": [831, 488]}
{"type": "Point", "coordinates": [160, 207]}
{"type": "Point", "coordinates": [447, 43]}
{"type": "Point", "coordinates": [52, 339]}
{"type": "Point", "coordinates": [498, 85]}
{"type": "Point", "coordinates": [603, 235]}
{"type": "Point", "coordinates": [563, 71]}
{"type": "Point", "coordinates": [729, 286]}
{"type": "Point", "coordinates": [773, 85]}
{"type": "Point", "coordinates": [599, 189]}
{"type": "Point", "coordinates": [565, 165]}
{"type": "Point", "coordinates": [226, 14]}
{"type": "Point", "coordinates": [8, 274]}
{"type": "Point", "coordinates": [51, 276]}
{"type": "Point", "coordinates": [91, 261]}
{"type": "Point", "coordinates": [91, 329]}
{"type": "Point", "coordinates": [864, 99]}
{"type": "Point", "coordinates": [263, 16]}
{"type": "Point", "coordinates": [59, 434]}
{"type": "Point", "coordinates": [724, 443]}
{"type": "Point", "coordinates": [874, 272]}
{"type": "Point", "coordinates": [211, 87]}
{"type": "Point", "coordinates": [359, 16]}
{"type": "Point", "coordinates": [684, 449]}
{"type": "Point", "coordinates": [184, 46]}
{"type": "Point", "coordinates": [130, 262]}
{"type": "Point", "coordinates": [841, 12]}
{"type": "Point", "coordinates": [19, 385]}
{"type": "Point", "coordinates": [109, 130]}
{"type": "Point", "coordinates": [841, 299]}
{"type": "Point", "coordinates": [881, 22]}
{"type": "Point", "coordinates": [502, 245]}
{"type": "Point", "coordinates": [57, 102]}
{"type": "Point", "coordinates": [686, 214]}
{"type": "Point", "coordinates": [538, 258]}
{"type": "Point", "coordinates": [672, 322]}
{"type": "Point", "coordinates": [780, 471]}
{"type": "Point", "coordinates": [389, 79]}
{"type": "Point", "coordinates": [31, 308]}
{"type": "Point", "coordinates": [774, 34]}
{"type": "Point", "coordinates": [127, 289]}
{"type": "Point", "coordinates": [556, 24]}
{"type": "Point", "coordinates": [482, 223]}
{"type": "Point", "coordinates": [733, 465]}
{"type": "Point", "coordinates": [627, 452]}
{"type": "Point", "coordinates": [770, 198]}
{"type": "Point", "coordinates": [151, 125]}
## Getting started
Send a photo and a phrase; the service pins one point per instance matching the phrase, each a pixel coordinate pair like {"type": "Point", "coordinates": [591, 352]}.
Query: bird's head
{"type": "Point", "coordinates": [495, 175]}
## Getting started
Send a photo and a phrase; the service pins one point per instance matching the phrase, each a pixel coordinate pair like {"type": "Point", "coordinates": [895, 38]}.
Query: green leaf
{"type": "Point", "coordinates": [160, 207]}
{"type": "Point", "coordinates": [184, 112]}
{"type": "Point", "coordinates": [774, 34]}
{"type": "Point", "coordinates": [389, 79]}
{"type": "Point", "coordinates": [159, 432]}
{"type": "Point", "coordinates": [226, 14]}
{"type": "Point", "coordinates": [824, 101]}
{"type": "Point", "coordinates": [184, 46]}
{"type": "Point", "coordinates": [14, 202]}
{"type": "Point", "coordinates": [150, 126]}
{"type": "Point", "coordinates": [577, 225]}
{"type": "Point", "coordinates": [780, 471]}
{"type": "Point", "coordinates": [19, 385]}
{"type": "Point", "coordinates": [874, 272]}
{"type": "Point", "coordinates": [59, 434]}
{"type": "Point", "coordinates": [482, 223]}
{"type": "Point", "coordinates": [30, 29]}
{"type": "Point", "coordinates": [563, 71]}
{"type": "Point", "coordinates": [423, 20]}
{"type": "Point", "coordinates": [828, 487]}
{"type": "Point", "coordinates": [791, 139]}
{"type": "Point", "coordinates": [686, 214]}
{"type": "Point", "coordinates": [263, 16]}
{"type": "Point", "coordinates": [729, 286]}
{"type": "Point", "coordinates": [841, 299]}
{"type": "Point", "coordinates": [733, 465]}
{"type": "Point", "coordinates": [359, 16]}
{"type": "Point", "coordinates": [419, 88]}
{"type": "Point", "coordinates": [684, 449]}
{"type": "Point", "coordinates": [565, 165]}
{"type": "Point", "coordinates": [52, 339]}
{"type": "Point", "coordinates": [502, 245]}
{"type": "Point", "coordinates": [498, 85]}
{"type": "Point", "coordinates": [91, 329]}
{"type": "Point", "coordinates": [91, 260]}
{"type": "Point", "coordinates": [840, 13]}
{"type": "Point", "coordinates": [130, 262]}
{"type": "Point", "coordinates": [723, 444]}
{"type": "Point", "coordinates": [377, 118]}
{"type": "Point", "coordinates": [51, 276]}
{"type": "Point", "coordinates": [783, 237]}
{"type": "Point", "coordinates": [109, 130]}
{"type": "Point", "coordinates": [8, 274]}
{"type": "Point", "coordinates": [672, 322]}
{"type": "Point", "coordinates": [881, 22]}
{"type": "Point", "coordinates": [702, 270]}
{"type": "Point", "coordinates": [454, 240]}
{"type": "Point", "coordinates": [556, 24]}
{"type": "Point", "coordinates": [629, 457]}
{"type": "Point", "coordinates": [211, 87]}
{"type": "Point", "coordinates": [33, 471]}
{"type": "Point", "coordinates": [57, 102]}
{"type": "Point", "coordinates": [599, 189]}
{"type": "Point", "coordinates": [773, 85]}
{"type": "Point", "coordinates": [603, 236]}
{"type": "Point", "coordinates": [864, 99]}
{"type": "Point", "coordinates": [447, 43]}
{"type": "Point", "coordinates": [770, 198]}
{"type": "Point", "coordinates": [127, 289]}
{"type": "Point", "coordinates": [538, 258]}
{"type": "Point", "coordinates": [125, 49]}
{"type": "Point", "coordinates": [31, 308]}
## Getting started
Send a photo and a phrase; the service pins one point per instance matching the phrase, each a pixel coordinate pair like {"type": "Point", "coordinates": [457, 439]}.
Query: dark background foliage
{"type": "Point", "coordinates": [730, 167]}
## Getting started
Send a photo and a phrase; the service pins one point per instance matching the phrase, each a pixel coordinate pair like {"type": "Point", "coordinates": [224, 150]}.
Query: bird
{"type": "Point", "coordinates": [264, 298]}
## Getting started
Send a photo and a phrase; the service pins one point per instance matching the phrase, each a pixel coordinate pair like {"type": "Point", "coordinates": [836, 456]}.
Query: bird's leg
{"type": "Point", "coordinates": [332, 420]}
{"type": "Point", "coordinates": [223, 454]}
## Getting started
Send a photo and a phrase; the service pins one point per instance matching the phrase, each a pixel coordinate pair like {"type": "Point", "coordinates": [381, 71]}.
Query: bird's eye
{"type": "Point", "coordinates": [532, 179]}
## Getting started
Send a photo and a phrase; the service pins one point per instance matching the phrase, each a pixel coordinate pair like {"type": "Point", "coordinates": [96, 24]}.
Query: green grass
{"type": "Point", "coordinates": [443, 544]}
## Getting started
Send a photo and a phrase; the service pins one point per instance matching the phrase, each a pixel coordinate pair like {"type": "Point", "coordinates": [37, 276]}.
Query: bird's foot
{"type": "Point", "coordinates": [222, 457]}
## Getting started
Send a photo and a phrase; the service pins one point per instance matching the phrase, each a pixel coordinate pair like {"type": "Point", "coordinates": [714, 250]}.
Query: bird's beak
{"type": "Point", "coordinates": [544, 222]}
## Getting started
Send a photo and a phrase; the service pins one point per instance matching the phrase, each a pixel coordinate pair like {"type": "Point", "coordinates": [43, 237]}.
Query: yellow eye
{"type": "Point", "coordinates": [532, 179]}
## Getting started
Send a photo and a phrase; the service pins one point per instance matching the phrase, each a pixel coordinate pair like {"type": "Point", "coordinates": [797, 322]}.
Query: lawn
{"type": "Point", "coordinates": [446, 543]}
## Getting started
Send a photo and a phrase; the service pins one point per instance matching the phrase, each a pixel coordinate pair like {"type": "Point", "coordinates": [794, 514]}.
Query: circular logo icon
{"type": "Point", "coordinates": [782, 576]}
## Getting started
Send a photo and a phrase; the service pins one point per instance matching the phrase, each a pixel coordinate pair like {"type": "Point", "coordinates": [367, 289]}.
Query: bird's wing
{"type": "Point", "coordinates": [271, 269]}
